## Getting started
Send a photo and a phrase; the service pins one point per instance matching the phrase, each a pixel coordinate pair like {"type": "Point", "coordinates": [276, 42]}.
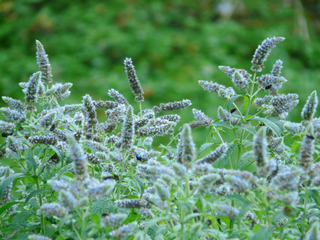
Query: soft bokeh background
{"type": "Point", "coordinates": [172, 43]}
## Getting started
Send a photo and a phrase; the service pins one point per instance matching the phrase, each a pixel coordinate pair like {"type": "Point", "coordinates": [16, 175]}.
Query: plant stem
{"type": "Point", "coordinates": [235, 105]}
{"type": "Point", "coordinates": [231, 220]}
{"type": "Point", "coordinates": [43, 229]}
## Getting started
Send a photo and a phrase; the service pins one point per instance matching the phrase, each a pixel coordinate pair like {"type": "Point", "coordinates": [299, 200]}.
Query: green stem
{"type": "Point", "coordinates": [218, 134]}
{"type": "Point", "coordinates": [76, 232]}
{"type": "Point", "coordinates": [231, 220]}
{"type": "Point", "coordinates": [43, 228]}
{"type": "Point", "coordinates": [235, 105]}
{"type": "Point", "coordinates": [140, 106]}
{"type": "Point", "coordinates": [187, 188]}
{"type": "Point", "coordinates": [251, 93]}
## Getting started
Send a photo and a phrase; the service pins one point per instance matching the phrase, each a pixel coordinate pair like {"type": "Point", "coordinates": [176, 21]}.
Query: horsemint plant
{"type": "Point", "coordinates": [65, 175]}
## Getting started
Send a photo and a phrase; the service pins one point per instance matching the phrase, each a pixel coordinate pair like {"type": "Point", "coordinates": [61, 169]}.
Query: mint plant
{"type": "Point", "coordinates": [65, 175]}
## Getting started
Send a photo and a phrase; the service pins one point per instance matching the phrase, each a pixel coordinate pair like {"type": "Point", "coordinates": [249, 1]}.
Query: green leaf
{"type": "Point", "coordinates": [266, 232]}
{"type": "Point", "coordinates": [8, 205]}
{"type": "Point", "coordinates": [139, 183]}
{"type": "Point", "coordinates": [57, 152]}
{"type": "Point", "coordinates": [38, 150]}
{"type": "Point", "coordinates": [222, 161]}
{"type": "Point", "coordinates": [103, 205]}
{"type": "Point", "coordinates": [246, 128]}
{"type": "Point", "coordinates": [273, 123]}
{"type": "Point", "coordinates": [95, 218]}
{"type": "Point", "coordinates": [35, 193]}
{"type": "Point", "coordinates": [246, 160]}
{"type": "Point", "coordinates": [315, 196]}
{"type": "Point", "coordinates": [131, 218]}
{"type": "Point", "coordinates": [64, 170]}
{"type": "Point", "coordinates": [238, 198]}
{"type": "Point", "coordinates": [246, 103]}
{"type": "Point", "coordinates": [204, 146]}
{"type": "Point", "coordinates": [22, 218]}
{"type": "Point", "coordinates": [9, 180]}
{"type": "Point", "coordinates": [294, 146]}
{"type": "Point", "coordinates": [231, 101]}
{"type": "Point", "coordinates": [30, 160]}
{"type": "Point", "coordinates": [221, 124]}
{"type": "Point", "coordinates": [191, 216]}
{"type": "Point", "coordinates": [152, 231]}
{"type": "Point", "coordinates": [199, 205]}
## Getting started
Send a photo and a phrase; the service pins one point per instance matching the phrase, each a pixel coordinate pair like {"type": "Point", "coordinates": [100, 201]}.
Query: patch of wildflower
{"type": "Point", "coordinates": [108, 174]}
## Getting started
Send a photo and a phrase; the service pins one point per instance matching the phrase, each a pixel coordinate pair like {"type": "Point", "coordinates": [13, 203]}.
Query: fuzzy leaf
{"type": "Point", "coordinates": [8, 205]}
{"type": "Point", "coordinates": [204, 147]}
{"type": "Point", "coordinates": [103, 205]}
{"type": "Point", "coordinates": [246, 103]}
{"type": "Point", "coordinates": [30, 160]}
{"type": "Point", "coordinates": [273, 123]}
{"type": "Point", "coordinates": [139, 183]}
{"type": "Point", "coordinates": [152, 231]}
{"type": "Point", "coordinates": [35, 193]}
{"type": "Point", "coordinates": [246, 128]}
{"type": "Point", "coordinates": [232, 99]}
{"type": "Point", "coordinates": [22, 217]}
{"type": "Point", "coordinates": [265, 232]}
{"type": "Point", "coordinates": [64, 170]}
{"type": "Point", "coordinates": [9, 180]}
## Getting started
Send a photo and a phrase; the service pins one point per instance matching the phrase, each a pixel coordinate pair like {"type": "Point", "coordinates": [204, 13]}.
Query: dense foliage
{"type": "Point", "coordinates": [67, 175]}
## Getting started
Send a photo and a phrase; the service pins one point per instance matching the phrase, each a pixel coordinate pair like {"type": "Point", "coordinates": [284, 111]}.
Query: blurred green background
{"type": "Point", "coordinates": [172, 43]}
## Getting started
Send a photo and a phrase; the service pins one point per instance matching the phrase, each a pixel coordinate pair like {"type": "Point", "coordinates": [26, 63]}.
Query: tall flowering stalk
{"type": "Point", "coordinates": [186, 148]}
{"type": "Point", "coordinates": [262, 52]}
{"type": "Point", "coordinates": [79, 159]}
{"type": "Point", "coordinates": [127, 132]}
{"type": "Point", "coordinates": [307, 150]}
{"type": "Point", "coordinates": [133, 80]}
{"type": "Point", "coordinates": [90, 114]}
{"type": "Point", "coordinates": [310, 107]}
{"type": "Point", "coordinates": [43, 62]}
{"type": "Point", "coordinates": [260, 148]}
{"type": "Point", "coordinates": [32, 87]}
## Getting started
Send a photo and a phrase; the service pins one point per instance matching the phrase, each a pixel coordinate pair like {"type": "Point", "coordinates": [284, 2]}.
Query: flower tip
{"type": "Point", "coordinates": [262, 132]}
{"type": "Point", "coordinates": [222, 68]}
